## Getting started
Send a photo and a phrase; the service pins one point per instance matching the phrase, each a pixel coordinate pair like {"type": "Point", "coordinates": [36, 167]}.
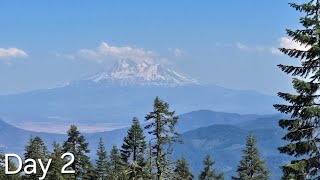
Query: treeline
{"type": "Point", "coordinates": [136, 159]}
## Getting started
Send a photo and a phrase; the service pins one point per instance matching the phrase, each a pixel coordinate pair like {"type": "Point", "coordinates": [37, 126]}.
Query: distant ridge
{"type": "Point", "coordinates": [126, 90]}
{"type": "Point", "coordinates": [218, 133]}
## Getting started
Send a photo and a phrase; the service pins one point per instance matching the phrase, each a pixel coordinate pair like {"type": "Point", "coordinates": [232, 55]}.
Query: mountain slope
{"type": "Point", "coordinates": [225, 142]}
{"type": "Point", "coordinates": [204, 118]}
{"type": "Point", "coordinates": [96, 104]}
{"type": "Point", "coordinates": [111, 99]}
{"type": "Point", "coordinates": [128, 73]}
{"type": "Point", "coordinates": [14, 139]}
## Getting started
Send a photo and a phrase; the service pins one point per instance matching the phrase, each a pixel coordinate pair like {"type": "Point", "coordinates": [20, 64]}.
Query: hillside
{"type": "Point", "coordinates": [204, 132]}
{"type": "Point", "coordinates": [13, 139]}
{"type": "Point", "coordinates": [225, 142]}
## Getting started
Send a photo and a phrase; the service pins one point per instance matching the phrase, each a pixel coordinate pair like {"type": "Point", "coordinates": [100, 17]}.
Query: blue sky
{"type": "Point", "coordinates": [229, 43]}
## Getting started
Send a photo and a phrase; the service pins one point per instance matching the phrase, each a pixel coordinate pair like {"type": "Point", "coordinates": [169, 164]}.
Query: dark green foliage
{"type": "Point", "coordinates": [36, 149]}
{"type": "Point", "coordinates": [303, 106]}
{"type": "Point", "coordinates": [132, 151]}
{"type": "Point", "coordinates": [57, 164]}
{"type": "Point", "coordinates": [181, 171]}
{"type": "Point", "coordinates": [77, 145]}
{"type": "Point", "coordinates": [162, 127]}
{"type": "Point", "coordinates": [251, 166]}
{"type": "Point", "coordinates": [208, 173]}
{"type": "Point", "coordinates": [133, 162]}
{"type": "Point", "coordinates": [291, 174]}
{"type": "Point", "coordinates": [117, 168]}
{"type": "Point", "coordinates": [12, 167]}
{"type": "Point", "coordinates": [102, 163]}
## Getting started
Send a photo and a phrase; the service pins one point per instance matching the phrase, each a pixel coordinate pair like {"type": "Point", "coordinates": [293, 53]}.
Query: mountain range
{"type": "Point", "coordinates": [222, 135]}
{"type": "Point", "coordinates": [110, 99]}
{"type": "Point", "coordinates": [104, 104]}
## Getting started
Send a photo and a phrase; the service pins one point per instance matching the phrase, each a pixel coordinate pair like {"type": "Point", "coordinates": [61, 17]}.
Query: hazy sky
{"type": "Point", "coordinates": [229, 43]}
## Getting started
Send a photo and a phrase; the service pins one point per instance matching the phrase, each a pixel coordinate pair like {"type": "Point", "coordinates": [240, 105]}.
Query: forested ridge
{"type": "Point", "coordinates": [137, 158]}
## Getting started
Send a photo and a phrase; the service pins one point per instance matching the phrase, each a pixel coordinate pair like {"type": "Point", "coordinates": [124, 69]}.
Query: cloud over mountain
{"type": "Point", "coordinates": [108, 53]}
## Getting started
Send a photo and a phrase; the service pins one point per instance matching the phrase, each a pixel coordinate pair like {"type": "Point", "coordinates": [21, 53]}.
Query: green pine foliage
{"type": "Point", "coordinates": [303, 106]}
{"type": "Point", "coordinates": [102, 163]}
{"type": "Point", "coordinates": [57, 164]}
{"type": "Point", "coordinates": [208, 172]}
{"type": "Point", "coordinates": [77, 145]}
{"type": "Point", "coordinates": [12, 167]}
{"type": "Point", "coordinates": [291, 174]}
{"type": "Point", "coordinates": [117, 168]}
{"type": "Point", "coordinates": [36, 149]}
{"type": "Point", "coordinates": [162, 127]}
{"type": "Point", "coordinates": [134, 161]}
{"type": "Point", "coordinates": [251, 166]}
{"type": "Point", "coordinates": [181, 171]}
{"type": "Point", "coordinates": [132, 151]}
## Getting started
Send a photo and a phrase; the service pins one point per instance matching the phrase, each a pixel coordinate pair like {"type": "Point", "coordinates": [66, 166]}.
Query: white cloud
{"type": "Point", "coordinates": [275, 51]}
{"type": "Point", "coordinates": [242, 46]}
{"type": "Point", "coordinates": [247, 48]}
{"type": "Point", "coordinates": [285, 42]}
{"type": "Point", "coordinates": [289, 43]}
{"type": "Point", "coordinates": [65, 56]}
{"type": "Point", "coordinates": [177, 52]}
{"type": "Point", "coordinates": [107, 53]}
{"type": "Point", "coordinates": [10, 53]}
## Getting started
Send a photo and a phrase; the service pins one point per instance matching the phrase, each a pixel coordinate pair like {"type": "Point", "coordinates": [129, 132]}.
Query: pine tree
{"type": "Point", "coordinates": [150, 162]}
{"type": "Point", "coordinates": [102, 163]}
{"type": "Point", "coordinates": [77, 145]}
{"type": "Point", "coordinates": [303, 106]}
{"type": "Point", "coordinates": [117, 171]}
{"type": "Point", "coordinates": [162, 127]}
{"type": "Point", "coordinates": [12, 167]}
{"type": "Point", "coordinates": [181, 171]}
{"type": "Point", "coordinates": [36, 149]}
{"type": "Point", "coordinates": [133, 149]}
{"type": "Point", "coordinates": [251, 166]}
{"type": "Point", "coordinates": [290, 174]}
{"type": "Point", "coordinates": [208, 173]}
{"type": "Point", "coordinates": [57, 164]}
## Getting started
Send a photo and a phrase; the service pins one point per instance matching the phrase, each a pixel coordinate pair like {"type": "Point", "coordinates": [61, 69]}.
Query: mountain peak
{"type": "Point", "coordinates": [128, 72]}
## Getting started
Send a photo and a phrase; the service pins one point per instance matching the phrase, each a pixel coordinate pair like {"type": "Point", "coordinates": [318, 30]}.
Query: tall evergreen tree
{"type": "Point", "coordinates": [303, 106]}
{"type": "Point", "coordinates": [117, 171]}
{"type": "Point", "coordinates": [133, 149]}
{"type": "Point", "coordinates": [36, 149]}
{"type": "Point", "coordinates": [208, 173]}
{"type": "Point", "coordinates": [57, 164]}
{"type": "Point", "coordinates": [77, 145]}
{"type": "Point", "coordinates": [162, 127]}
{"type": "Point", "coordinates": [251, 166]}
{"type": "Point", "coordinates": [102, 163]}
{"type": "Point", "coordinates": [12, 167]}
{"type": "Point", "coordinates": [181, 171]}
{"type": "Point", "coordinates": [150, 162]}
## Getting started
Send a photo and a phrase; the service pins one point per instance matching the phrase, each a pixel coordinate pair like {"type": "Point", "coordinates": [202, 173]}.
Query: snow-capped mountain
{"type": "Point", "coordinates": [127, 90]}
{"type": "Point", "coordinates": [127, 73]}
